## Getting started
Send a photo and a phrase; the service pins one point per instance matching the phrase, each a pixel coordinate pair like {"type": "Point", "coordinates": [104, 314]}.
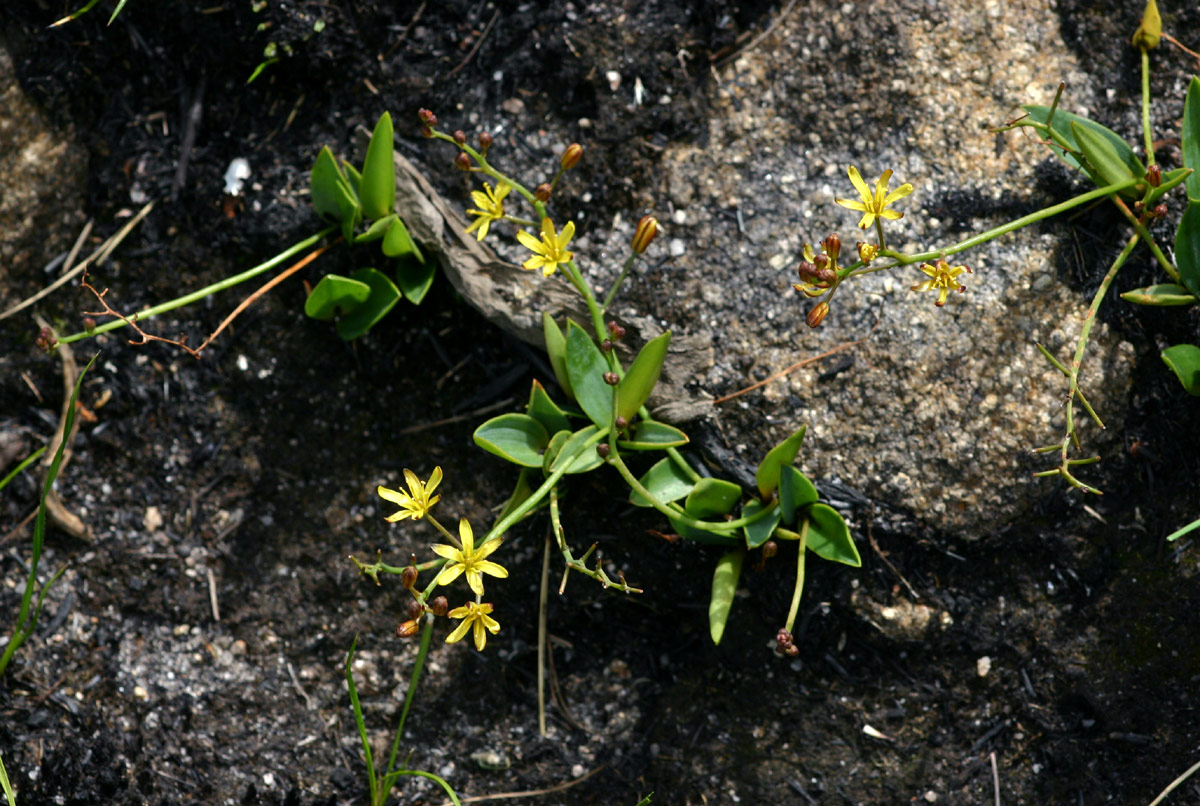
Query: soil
{"type": "Point", "coordinates": [1052, 666]}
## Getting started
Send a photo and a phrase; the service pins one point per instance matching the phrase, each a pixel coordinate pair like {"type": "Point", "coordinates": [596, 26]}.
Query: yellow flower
{"type": "Point", "coordinates": [874, 205]}
{"type": "Point", "coordinates": [549, 252]}
{"type": "Point", "coordinates": [943, 278]}
{"type": "Point", "coordinates": [417, 501]}
{"type": "Point", "coordinates": [491, 208]}
{"type": "Point", "coordinates": [474, 563]}
{"type": "Point", "coordinates": [473, 615]}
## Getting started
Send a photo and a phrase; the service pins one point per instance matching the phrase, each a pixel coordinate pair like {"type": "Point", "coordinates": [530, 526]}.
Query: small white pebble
{"type": "Point", "coordinates": [676, 247]}
{"type": "Point", "coordinates": [237, 173]}
{"type": "Point", "coordinates": [931, 796]}
{"type": "Point", "coordinates": [152, 520]}
{"type": "Point", "coordinates": [614, 80]}
{"type": "Point", "coordinates": [141, 693]}
{"type": "Point", "coordinates": [983, 666]}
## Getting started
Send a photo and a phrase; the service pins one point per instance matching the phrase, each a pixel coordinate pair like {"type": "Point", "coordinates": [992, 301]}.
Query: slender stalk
{"type": "Point", "coordinates": [612, 292]}
{"type": "Point", "coordinates": [541, 653]}
{"type": "Point", "coordinates": [413, 680]}
{"type": "Point", "coordinates": [1146, 131]}
{"type": "Point", "coordinates": [802, 551]}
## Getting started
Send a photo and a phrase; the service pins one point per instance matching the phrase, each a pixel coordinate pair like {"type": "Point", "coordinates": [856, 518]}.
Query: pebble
{"type": "Point", "coordinates": [140, 693]}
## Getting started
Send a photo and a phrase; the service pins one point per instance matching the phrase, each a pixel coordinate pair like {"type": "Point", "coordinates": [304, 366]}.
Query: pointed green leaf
{"type": "Point", "coordinates": [829, 537]}
{"type": "Point", "coordinates": [324, 185]}
{"type": "Point", "coordinates": [1062, 125]}
{"type": "Point", "coordinates": [556, 351]}
{"type": "Point", "coordinates": [650, 435]}
{"type": "Point", "coordinates": [1187, 248]}
{"type": "Point", "coordinates": [712, 497]}
{"type": "Point", "coordinates": [353, 180]}
{"type": "Point", "coordinates": [1184, 361]}
{"type": "Point", "coordinates": [517, 438]}
{"type": "Point", "coordinates": [1162, 295]}
{"type": "Point", "coordinates": [665, 481]}
{"type": "Point", "coordinates": [378, 192]}
{"type": "Point", "coordinates": [783, 454]}
{"type": "Point", "coordinates": [414, 279]}
{"type": "Point", "coordinates": [1191, 137]}
{"type": "Point", "coordinates": [724, 588]}
{"type": "Point", "coordinates": [557, 440]}
{"type": "Point", "coordinates": [398, 243]}
{"type": "Point", "coordinates": [520, 494]}
{"type": "Point", "coordinates": [586, 367]}
{"type": "Point", "coordinates": [795, 493]}
{"type": "Point", "coordinates": [384, 295]}
{"type": "Point", "coordinates": [761, 530]}
{"type": "Point", "coordinates": [641, 376]}
{"type": "Point", "coordinates": [545, 410]}
{"type": "Point", "coordinates": [589, 459]}
{"type": "Point", "coordinates": [1107, 164]}
{"type": "Point", "coordinates": [335, 294]}
{"type": "Point", "coordinates": [376, 231]}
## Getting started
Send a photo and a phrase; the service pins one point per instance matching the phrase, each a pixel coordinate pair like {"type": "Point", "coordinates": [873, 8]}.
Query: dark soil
{"type": "Point", "coordinates": [262, 460]}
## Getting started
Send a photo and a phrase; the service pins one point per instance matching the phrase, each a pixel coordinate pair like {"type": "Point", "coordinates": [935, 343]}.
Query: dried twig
{"type": "Point", "coordinates": [787, 371]}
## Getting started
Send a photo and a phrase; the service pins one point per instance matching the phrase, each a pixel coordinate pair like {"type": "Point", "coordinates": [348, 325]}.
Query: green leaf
{"type": "Point", "coordinates": [829, 537]}
{"type": "Point", "coordinates": [712, 497]}
{"type": "Point", "coordinates": [1108, 165]}
{"type": "Point", "coordinates": [378, 191]}
{"type": "Point", "coordinates": [586, 367]}
{"type": "Point", "coordinates": [414, 279]}
{"type": "Point", "coordinates": [545, 410]}
{"type": "Point", "coordinates": [666, 481]}
{"type": "Point", "coordinates": [353, 180]}
{"type": "Point", "coordinates": [1184, 361]}
{"type": "Point", "coordinates": [1162, 295]}
{"type": "Point", "coordinates": [1191, 137]}
{"type": "Point", "coordinates": [384, 295]}
{"type": "Point", "coordinates": [724, 588]}
{"type": "Point", "coordinates": [715, 535]}
{"type": "Point", "coordinates": [783, 454]}
{"type": "Point", "coordinates": [325, 185]}
{"type": "Point", "coordinates": [557, 440]}
{"type": "Point", "coordinates": [588, 460]}
{"type": "Point", "coordinates": [520, 494]}
{"type": "Point", "coordinates": [761, 530]}
{"type": "Point", "coordinates": [649, 435]}
{"type": "Point", "coordinates": [518, 438]}
{"type": "Point", "coordinates": [795, 493]}
{"type": "Point", "coordinates": [398, 243]}
{"type": "Point", "coordinates": [556, 351]}
{"type": "Point", "coordinates": [335, 294]}
{"type": "Point", "coordinates": [1062, 125]}
{"type": "Point", "coordinates": [376, 231]}
{"type": "Point", "coordinates": [641, 376]}
{"type": "Point", "coordinates": [1187, 248]}
{"type": "Point", "coordinates": [1170, 180]}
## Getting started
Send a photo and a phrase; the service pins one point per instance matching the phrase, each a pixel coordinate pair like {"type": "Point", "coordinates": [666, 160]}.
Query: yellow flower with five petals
{"type": "Point", "coordinates": [942, 278]}
{"type": "Point", "coordinates": [874, 205]}
{"type": "Point", "coordinates": [469, 560]}
{"type": "Point", "coordinates": [551, 250]}
{"type": "Point", "coordinates": [417, 502]}
{"type": "Point", "coordinates": [491, 208]}
{"type": "Point", "coordinates": [473, 616]}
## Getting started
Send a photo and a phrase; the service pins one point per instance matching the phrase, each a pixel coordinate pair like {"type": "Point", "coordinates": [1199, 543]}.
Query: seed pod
{"type": "Point", "coordinates": [817, 314]}
{"type": "Point", "coordinates": [571, 156]}
{"type": "Point", "coordinates": [647, 228]}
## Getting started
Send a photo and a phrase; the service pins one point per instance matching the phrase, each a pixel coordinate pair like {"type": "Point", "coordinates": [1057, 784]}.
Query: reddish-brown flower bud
{"type": "Point", "coordinates": [1158, 211]}
{"type": "Point", "coordinates": [415, 608]}
{"type": "Point", "coordinates": [817, 314]}
{"type": "Point", "coordinates": [427, 117]}
{"type": "Point", "coordinates": [602, 449]}
{"type": "Point", "coordinates": [462, 162]}
{"type": "Point", "coordinates": [542, 192]}
{"type": "Point", "coordinates": [616, 331]}
{"type": "Point", "coordinates": [485, 141]}
{"type": "Point", "coordinates": [571, 156]}
{"type": "Point", "coordinates": [611, 378]}
{"type": "Point", "coordinates": [832, 246]}
{"type": "Point", "coordinates": [46, 340]}
{"type": "Point", "coordinates": [821, 262]}
{"type": "Point", "coordinates": [460, 137]}
{"type": "Point", "coordinates": [1154, 176]}
{"type": "Point", "coordinates": [89, 324]}
{"type": "Point", "coordinates": [439, 606]}
{"type": "Point", "coordinates": [606, 345]}
{"type": "Point", "coordinates": [409, 628]}
{"type": "Point", "coordinates": [647, 228]}
{"type": "Point", "coordinates": [622, 423]}
{"type": "Point", "coordinates": [408, 577]}
{"type": "Point", "coordinates": [770, 549]}
{"type": "Point", "coordinates": [783, 638]}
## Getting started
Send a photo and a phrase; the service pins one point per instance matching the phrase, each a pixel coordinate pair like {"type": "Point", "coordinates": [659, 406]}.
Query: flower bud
{"type": "Point", "coordinates": [647, 228]}
{"type": "Point", "coordinates": [1154, 176]}
{"type": "Point", "coordinates": [602, 449]}
{"type": "Point", "coordinates": [439, 606]}
{"type": "Point", "coordinates": [415, 609]}
{"type": "Point", "coordinates": [427, 117]}
{"type": "Point", "coordinates": [409, 628]}
{"type": "Point", "coordinates": [460, 137]}
{"type": "Point", "coordinates": [616, 331]}
{"type": "Point", "coordinates": [485, 141]}
{"type": "Point", "coordinates": [622, 423]}
{"type": "Point", "coordinates": [611, 378]}
{"type": "Point", "coordinates": [867, 251]}
{"type": "Point", "coordinates": [606, 346]}
{"type": "Point", "coordinates": [1149, 32]}
{"type": "Point", "coordinates": [408, 577]}
{"type": "Point", "coordinates": [89, 324]}
{"type": "Point", "coordinates": [542, 192]}
{"type": "Point", "coordinates": [832, 246]}
{"type": "Point", "coordinates": [1158, 211]}
{"type": "Point", "coordinates": [817, 315]}
{"type": "Point", "coordinates": [46, 340]}
{"type": "Point", "coordinates": [462, 162]}
{"type": "Point", "coordinates": [770, 549]}
{"type": "Point", "coordinates": [783, 638]}
{"type": "Point", "coordinates": [821, 262]}
{"type": "Point", "coordinates": [571, 156]}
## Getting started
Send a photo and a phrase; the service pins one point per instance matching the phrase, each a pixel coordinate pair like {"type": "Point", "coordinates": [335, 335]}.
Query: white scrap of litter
{"type": "Point", "coordinates": [237, 173]}
{"type": "Point", "coordinates": [874, 734]}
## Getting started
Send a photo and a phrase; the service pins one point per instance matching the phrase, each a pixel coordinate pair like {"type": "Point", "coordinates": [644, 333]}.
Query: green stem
{"type": "Point", "coordinates": [612, 292]}
{"type": "Point", "coordinates": [802, 551]}
{"type": "Point", "coordinates": [1146, 132]}
{"type": "Point", "coordinates": [414, 679]}
{"type": "Point", "coordinates": [1145, 235]}
{"type": "Point", "coordinates": [188, 299]}
{"type": "Point", "coordinates": [487, 168]}
{"type": "Point", "coordinates": [436, 779]}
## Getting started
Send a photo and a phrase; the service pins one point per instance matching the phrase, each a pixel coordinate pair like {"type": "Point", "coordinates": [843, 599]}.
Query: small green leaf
{"type": "Point", "coordinates": [1163, 294]}
{"type": "Point", "coordinates": [761, 530]}
{"type": "Point", "coordinates": [414, 279]}
{"type": "Point", "coordinates": [335, 294]}
{"type": "Point", "coordinates": [384, 295]}
{"type": "Point", "coordinates": [783, 454]}
{"type": "Point", "coordinates": [557, 440]}
{"type": "Point", "coordinates": [1107, 165]}
{"type": "Point", "coordinates": [517, 438]}
{"type": "Point", "coordinates": [724, 588]}
{"type": "Point", "coordinates": [545, 410]}
{"type": "Point", "coordinates": [520, 494]}
{"type": "Point", "coordinates": [588, 460]}
{"type": "Point", "coordinates": [712, 497]}
{"type": "Point", "coordinates": [641, 376]}
{"type": "Point", "coordinates": [586, 367]}
{"type": "Point", "coordinates": [1191, 137]}
{"type": "Point", "coordinates": [1187, 248]}
{"type": "Point", "coordinates": [829, 537]}
{"type": "Point", "coordinates": [353, 180]}
{"type": "Point", "coordinates": [650, 435]}
{"type": "Point", "coordinates": [398, 243]}
{"type": "Point", "coordinates": [665, 481]}
{"type": "Point", "coordinates": [376, 231]}
{"type": "Point", "coordinates": [324, 185]}
{"type": "Point", "coordinates": [378, 192]}
{"type": "Point", "coordinates": [556, 351]}
{"type": "Point", "coordinates": [795, 493]}
{"type": "Point", "coordinates": [1184, 361]}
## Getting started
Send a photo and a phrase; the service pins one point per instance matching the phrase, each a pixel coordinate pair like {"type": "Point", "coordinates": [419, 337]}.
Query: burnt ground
{"type": "Point", "coordinates": [248, 476]}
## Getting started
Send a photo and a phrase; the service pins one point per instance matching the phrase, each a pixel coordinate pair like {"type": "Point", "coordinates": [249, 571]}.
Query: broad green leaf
{"type": "Point", "coordinates": [761, 530]}
{"type": "Point", "coordinates": [376, 231]}
{"type": "Point", "coordinates": [1184, 361]}
{"type": "Point", "coordinates": [829, 537]}
{"type": "Point", "coordinates": [641, 376]}
{"type": "Point", "coordinates": [414, 279]}
{"type": "Point", "coordinates": [795, 493]}
{"type": "Point", "coordinates": [649, 435]}
{"type": "Point", "coordinates": [383, 296]}
{"type": "Point", "coordinates": [1108, 166]}
{"type": "Point", "coordinates": [783, 454]}
{"type": "Point", "coordinates": [1163, 294]}
{"type": "Point", "coordinates": [556, 351]}
{"type": "Point", "coordinates": [665, 481]}
{"type": "Point", "coordinates": [324, 185]}
{"type": "Point", "coordinates": [588, 460]}
{"type": "Point", "coordinates": [545, 410]}
{"type": "Point", "coordinates": [1191, 137]}
{"type": "Point", "coordinates": [378, 192]}
{"type": "Point", "coordinates": [1062, 125]}
{"type": "Point", "coordinates": [724, 588]}
{"type": "Point", "coordinates": [517, 438]}
{"type": "Point", "coordinates": [557, 440]}
{"type": "Point", "coordinates": [520, 494]}
{"type": "Point", "coordinates": [586, 367]}
{"type": "Point", "coordinates": [335, 294]}
{"type": "Point", "coordinates": [1187, 248]}
{"type": "Point", "coordinates": [398, 243]}
{"type": "Point", "coordinates": [712, 497]}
